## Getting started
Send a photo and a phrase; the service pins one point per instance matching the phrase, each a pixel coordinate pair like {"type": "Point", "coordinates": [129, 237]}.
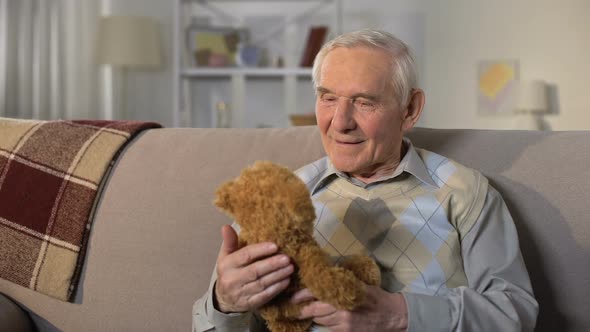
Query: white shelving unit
{"type": "Point", "coordinates": [253, 72]}
{"type": "Point", "coordinates": [238, 77]}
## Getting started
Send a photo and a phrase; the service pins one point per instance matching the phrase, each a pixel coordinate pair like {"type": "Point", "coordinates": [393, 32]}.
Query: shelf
{"type": "Point", "coordinates": [250, 1]}
{"type": "Point", "coordinates": [252, 72]}
{"type": "Point", "coordinates": [230, 83]}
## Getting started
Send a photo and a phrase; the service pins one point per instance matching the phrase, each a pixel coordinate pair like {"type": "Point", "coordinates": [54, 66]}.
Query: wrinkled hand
{"type": "Point", "coordinates": [381, 311]}
{"type": "Point", "coordinates": [248, 277]}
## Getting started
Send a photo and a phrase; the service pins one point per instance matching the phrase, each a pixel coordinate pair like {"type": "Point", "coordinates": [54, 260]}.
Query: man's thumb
{"type": "Point", "coordinates": [230, 240]}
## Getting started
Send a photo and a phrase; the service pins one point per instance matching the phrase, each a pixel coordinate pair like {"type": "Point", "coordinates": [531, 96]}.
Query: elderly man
{"type": "Point", "coordinates": [442, 236]}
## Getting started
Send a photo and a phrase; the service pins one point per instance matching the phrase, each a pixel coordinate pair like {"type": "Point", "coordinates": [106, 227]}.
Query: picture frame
{"type": "Point", "coordinates": [496, 86]}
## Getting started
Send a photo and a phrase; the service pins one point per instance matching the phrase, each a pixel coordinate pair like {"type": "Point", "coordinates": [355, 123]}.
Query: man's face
{"type": "Point", "coordinates": [357, 113]}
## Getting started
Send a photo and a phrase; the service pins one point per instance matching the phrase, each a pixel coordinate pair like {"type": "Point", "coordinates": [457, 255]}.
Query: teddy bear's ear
{"type": "Point", "coordinates": [223, 197]}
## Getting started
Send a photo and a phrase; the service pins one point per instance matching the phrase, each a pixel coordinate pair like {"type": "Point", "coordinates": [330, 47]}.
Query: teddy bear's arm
{"type": "Point", "coordinates": [328, 283]}
{"type": "Point", "coordinates": [364, 268]}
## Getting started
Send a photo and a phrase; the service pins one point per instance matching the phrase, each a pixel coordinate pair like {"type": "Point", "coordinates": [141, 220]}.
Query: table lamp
{"type": "Point", "coordinates": [127, 42]}
{"type": "Point", "coordinates": [531, 105]}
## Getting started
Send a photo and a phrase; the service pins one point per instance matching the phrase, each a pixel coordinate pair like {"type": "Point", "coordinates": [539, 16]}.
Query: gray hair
{"type": "Point", "coordinates": [404, 73]}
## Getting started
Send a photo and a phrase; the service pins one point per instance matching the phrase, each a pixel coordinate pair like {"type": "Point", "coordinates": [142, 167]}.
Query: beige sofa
{"type": "Point", "coordinates": [156, 234]}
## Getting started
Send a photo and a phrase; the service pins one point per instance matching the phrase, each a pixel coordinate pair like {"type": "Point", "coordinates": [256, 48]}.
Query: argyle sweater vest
{"type": "Point", "coordinates": [413, 230]}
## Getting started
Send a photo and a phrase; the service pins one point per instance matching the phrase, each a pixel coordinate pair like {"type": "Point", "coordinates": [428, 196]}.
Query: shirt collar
{"type": "Point", "coordinates": [411, 163]}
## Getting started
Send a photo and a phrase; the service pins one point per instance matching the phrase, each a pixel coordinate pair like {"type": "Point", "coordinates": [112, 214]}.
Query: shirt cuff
{"type": "Point", "coordinates": [427, 313]}
{"type": "Point", "coordinates": [232, 322]}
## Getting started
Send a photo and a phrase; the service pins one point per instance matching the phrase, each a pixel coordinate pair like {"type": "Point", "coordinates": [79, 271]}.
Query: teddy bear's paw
{"type": "Point", "coordinates": [290, 310]}
{"type": "Point", "coordinates": [283, 318]}
{"type": "Point", "coordinates": [290, 326]}
{"type": "Point", "coordinates": [363, 268]}
{"type": "Point", "coordinates": [336, 286]}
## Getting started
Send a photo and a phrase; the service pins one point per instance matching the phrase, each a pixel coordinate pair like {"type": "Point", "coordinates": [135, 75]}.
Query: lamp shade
{"type": "Point", "coordinates": [531, 97]}
{"type": "Point", "coordinates": [129, 41]}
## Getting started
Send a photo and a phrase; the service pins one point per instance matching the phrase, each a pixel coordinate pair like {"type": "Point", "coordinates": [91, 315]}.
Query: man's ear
{"type": "Point", "coordinates": [411, 114]}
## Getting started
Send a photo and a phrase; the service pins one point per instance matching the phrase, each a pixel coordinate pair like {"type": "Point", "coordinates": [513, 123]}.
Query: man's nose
{"type": "Point", "coordinates": [343, 116]}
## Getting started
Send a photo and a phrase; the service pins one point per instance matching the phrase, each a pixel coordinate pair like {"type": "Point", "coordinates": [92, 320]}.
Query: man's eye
{"type": "Point", "coordinates": [329, 98]}
{"type": "Point", "coordinates": [364, 103]}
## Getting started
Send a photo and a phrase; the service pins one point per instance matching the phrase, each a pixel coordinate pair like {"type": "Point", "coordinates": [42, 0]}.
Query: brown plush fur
{"type": "Point", "coordinates": [270, 203]}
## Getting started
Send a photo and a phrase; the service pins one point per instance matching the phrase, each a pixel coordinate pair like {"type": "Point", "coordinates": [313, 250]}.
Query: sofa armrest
{"type": "Point", "coordinates": [13, 317]}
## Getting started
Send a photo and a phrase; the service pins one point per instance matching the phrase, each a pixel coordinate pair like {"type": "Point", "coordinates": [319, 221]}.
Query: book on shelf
{"type": "Point", "coordinates": [315, 40]}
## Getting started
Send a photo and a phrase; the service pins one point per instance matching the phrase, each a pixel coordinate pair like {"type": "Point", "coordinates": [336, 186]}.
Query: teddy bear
{"type": "Point", "coordinates": [271, 203]}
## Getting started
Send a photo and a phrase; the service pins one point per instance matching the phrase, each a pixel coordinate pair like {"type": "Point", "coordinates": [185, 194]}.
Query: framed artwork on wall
{"type": "Point", "coordinates": [496, 86]}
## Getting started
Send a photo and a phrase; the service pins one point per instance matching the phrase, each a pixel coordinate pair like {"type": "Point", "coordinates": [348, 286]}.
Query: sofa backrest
{"type": "Point", "coordinates": [545, 180]}
{"type": "Point", "coordinates": [156, 234]}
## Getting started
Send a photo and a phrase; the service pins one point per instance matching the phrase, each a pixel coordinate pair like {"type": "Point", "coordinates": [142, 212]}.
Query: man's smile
{"type": "Point", "coordinates": [347, 140]}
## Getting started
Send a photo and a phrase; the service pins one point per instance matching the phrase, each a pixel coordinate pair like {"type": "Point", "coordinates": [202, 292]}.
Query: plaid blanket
{"type": "Point", "coordinates": [50, 174]}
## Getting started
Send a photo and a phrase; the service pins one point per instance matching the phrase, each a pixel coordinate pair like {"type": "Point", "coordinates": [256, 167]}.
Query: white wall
{"type": "Point", "coordinates": [551, 40]}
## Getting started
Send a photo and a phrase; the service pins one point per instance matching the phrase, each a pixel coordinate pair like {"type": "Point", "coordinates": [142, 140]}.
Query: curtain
{"type": "Point", "coordinates": [47, 67]}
